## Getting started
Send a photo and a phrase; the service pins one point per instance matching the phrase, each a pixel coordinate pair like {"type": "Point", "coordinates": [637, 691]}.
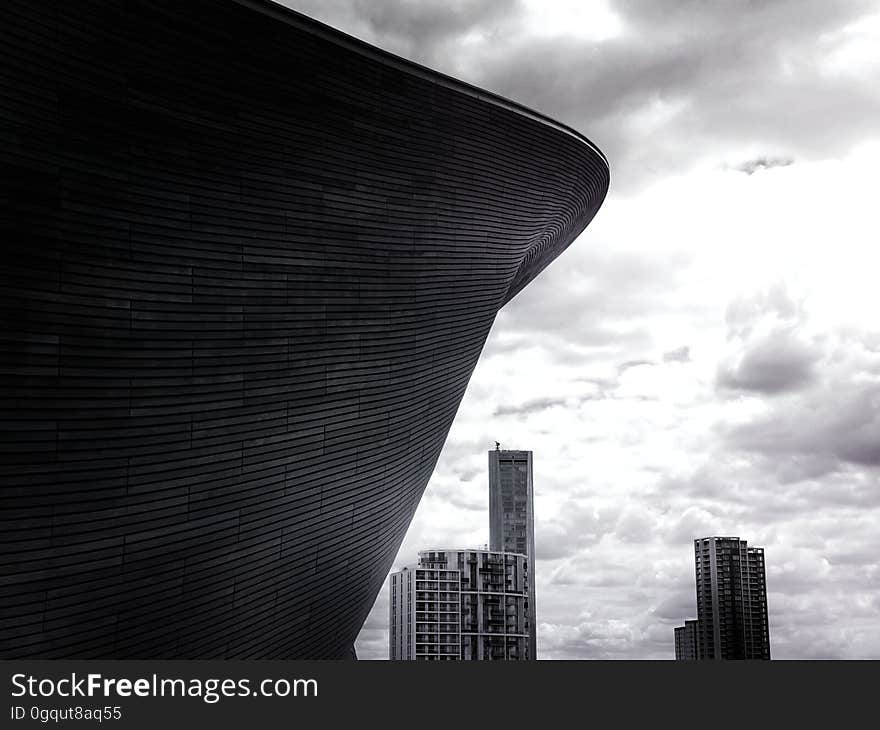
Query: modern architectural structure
{"type": "Point", "coordinates": [686, 641]}
{"type": "Point", "coordinates": [461, 605]}
{"type": "Point", "coordinates": [248, 265]}
{"type": "Point", "coordinates": [731, 600]}
{"type": "Point", "coordinates": [425, 613]}
{"type": "Point", "coordinates": [512, 517]}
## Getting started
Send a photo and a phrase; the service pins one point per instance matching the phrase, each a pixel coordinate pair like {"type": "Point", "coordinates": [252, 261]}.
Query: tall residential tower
{"type": "Point", "coordinates": [460, 604]}
{"type": "Point", "coordinates": [731, 600]}
{"type": "Point", "coordinates": [512, 517]}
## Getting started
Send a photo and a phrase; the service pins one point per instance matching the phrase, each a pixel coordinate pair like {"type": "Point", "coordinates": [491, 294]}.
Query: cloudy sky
{"type": "Point", "coordinates": [705, 358]}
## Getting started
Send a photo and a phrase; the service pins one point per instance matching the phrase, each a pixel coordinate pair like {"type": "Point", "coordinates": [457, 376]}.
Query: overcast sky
{"type": "Point", "coordinates": [705, 358]}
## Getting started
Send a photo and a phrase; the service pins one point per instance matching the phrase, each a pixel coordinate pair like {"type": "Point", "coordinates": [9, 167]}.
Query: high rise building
{"type": "Point", "coordinates": [731, 600]}
{"type": "Point", "coordinates": [460, 604]}
{"type": "Point", "coordinates": [686, 641]}
{"type": "Point", "coordinates": [425, 613]}
{"type": "Point", "coordinates": [512, 517]}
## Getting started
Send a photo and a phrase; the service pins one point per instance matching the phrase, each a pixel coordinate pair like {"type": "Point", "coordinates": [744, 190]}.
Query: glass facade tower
{"type": "Point", "coordinates": [512, 517]}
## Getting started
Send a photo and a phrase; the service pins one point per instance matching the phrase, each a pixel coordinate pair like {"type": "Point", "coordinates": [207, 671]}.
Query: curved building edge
{"type": "Point", "coordinates": [345, 40]}
{"type": "Point", "coordinates": [249, 269]}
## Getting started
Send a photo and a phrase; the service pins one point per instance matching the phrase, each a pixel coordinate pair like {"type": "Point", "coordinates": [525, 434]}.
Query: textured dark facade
{"type": "Point", "coordinates": [248, 265]}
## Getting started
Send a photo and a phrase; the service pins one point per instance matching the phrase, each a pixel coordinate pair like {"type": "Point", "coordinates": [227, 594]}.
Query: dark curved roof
{"type": "Point", "coordinates": [334, 35]}
{"type": "Point", "coordinates": [248, 269]}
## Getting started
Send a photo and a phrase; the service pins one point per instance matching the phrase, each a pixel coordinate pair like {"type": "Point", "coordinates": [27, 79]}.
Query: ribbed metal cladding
{"type": "Point", "coordinates": [248, 265]}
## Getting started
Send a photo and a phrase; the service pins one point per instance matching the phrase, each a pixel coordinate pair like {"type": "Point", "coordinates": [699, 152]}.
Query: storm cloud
{"type": "Point", "coordinates": [748, 81]}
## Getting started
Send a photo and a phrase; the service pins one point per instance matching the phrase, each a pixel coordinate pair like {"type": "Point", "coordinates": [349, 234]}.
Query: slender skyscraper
{"type": "Point", "coordinates": [731, 600]}
{"type": "Point", "coordinates": [512, 517]}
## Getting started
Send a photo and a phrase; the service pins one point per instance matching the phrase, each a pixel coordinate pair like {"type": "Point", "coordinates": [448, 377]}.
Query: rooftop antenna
{"type": "Point", "coordinates": [497, 446]}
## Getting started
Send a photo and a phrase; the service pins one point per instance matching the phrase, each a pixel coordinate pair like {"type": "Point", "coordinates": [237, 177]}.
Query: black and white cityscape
{"type": "Point", "coordinates": [479, 603]}
{"type": "Point", "coordinates": [475, 604]}
{"type": "Point", "coordinates": [439, 330]}
{"type": "Point", "coordinates": [731, 585]}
